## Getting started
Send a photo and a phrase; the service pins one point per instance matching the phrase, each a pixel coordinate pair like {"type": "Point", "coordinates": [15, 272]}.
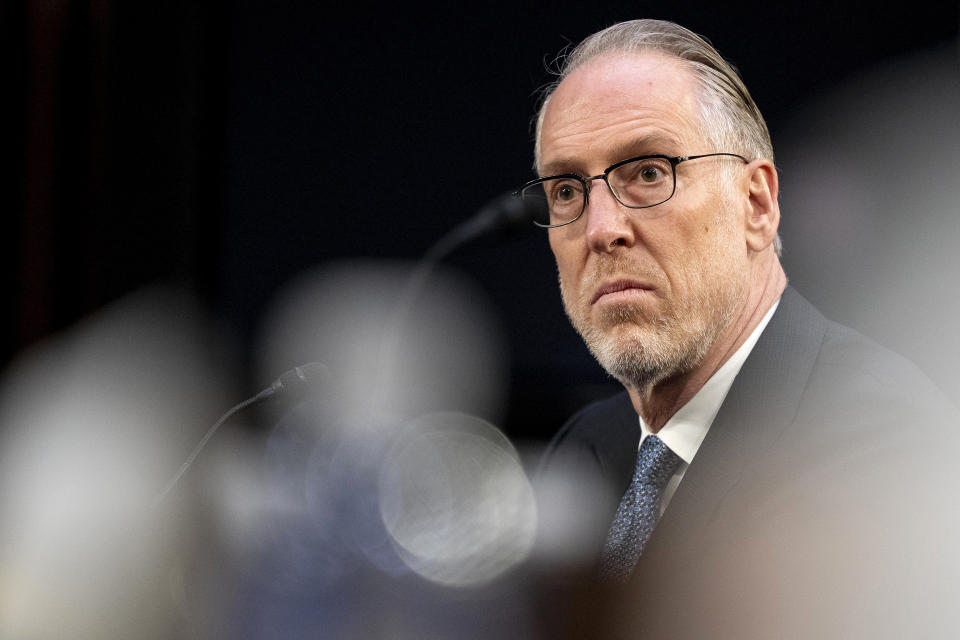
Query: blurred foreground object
{"type": "Point", "coordinates": [90, 423]}
{"type": "Point", "coordinates": [871, 206]}
{"type": "Point", "coordinates": [394, 507]}
{"type": "Point", "coordinates": [386, 505]}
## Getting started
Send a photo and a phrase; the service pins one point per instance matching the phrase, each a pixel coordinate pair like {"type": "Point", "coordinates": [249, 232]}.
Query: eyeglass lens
{"type": "Point", "coordinates": [637, 184]}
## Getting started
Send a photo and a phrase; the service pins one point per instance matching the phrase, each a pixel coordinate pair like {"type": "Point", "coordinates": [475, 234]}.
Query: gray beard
{"type": "Point", "coordinates": [646, 356]}
{"type": "Point", "coordinates": [640, 352]}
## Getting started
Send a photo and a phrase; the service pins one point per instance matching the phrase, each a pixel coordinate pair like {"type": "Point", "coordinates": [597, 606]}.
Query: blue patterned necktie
{"type": "Point", "coordinates": [638, 511]}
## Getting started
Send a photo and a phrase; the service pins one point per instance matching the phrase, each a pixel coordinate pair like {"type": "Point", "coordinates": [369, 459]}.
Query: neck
{"type": "Point", "coordinates": [657, 403]}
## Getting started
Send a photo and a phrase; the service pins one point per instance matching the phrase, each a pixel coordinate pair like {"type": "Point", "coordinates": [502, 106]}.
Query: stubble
{"type": "Point", "coordinates": [641, 345]}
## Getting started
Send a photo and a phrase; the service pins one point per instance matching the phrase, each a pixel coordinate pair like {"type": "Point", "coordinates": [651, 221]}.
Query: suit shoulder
{"type": "Point", "coordinates": [856, 381]}
{"type": "Point", "coordinates": [597, 429]}
{"type": "Point", "coordinates": [854, 355]}
{"type": "Point", "coordinates": [594, 419]}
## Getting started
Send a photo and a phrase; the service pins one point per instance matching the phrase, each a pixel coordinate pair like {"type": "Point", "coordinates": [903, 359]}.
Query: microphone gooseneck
{"type": "Point", "coordinates": [506, 212]}
{"type": "Point", "coordinates": [295, 382]}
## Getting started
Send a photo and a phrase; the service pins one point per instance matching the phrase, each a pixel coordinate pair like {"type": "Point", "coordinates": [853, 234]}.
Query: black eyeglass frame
{"type": "Point", "coordinates": [605, 176]}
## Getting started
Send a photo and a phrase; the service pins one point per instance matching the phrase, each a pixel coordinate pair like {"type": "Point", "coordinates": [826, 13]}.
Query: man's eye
{"type": "Point", "coordinates": [564, 192]}
{"type": "Point", "coordinates": [650, 174]}
{"type": "Point", "coordinates": [650, 171]}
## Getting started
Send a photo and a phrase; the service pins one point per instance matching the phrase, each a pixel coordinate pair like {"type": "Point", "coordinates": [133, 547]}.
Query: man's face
{"type": "Point", "coordinates": [649, 290]}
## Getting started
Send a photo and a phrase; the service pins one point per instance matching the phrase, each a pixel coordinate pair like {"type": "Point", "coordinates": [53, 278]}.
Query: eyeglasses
{"type": "Point", "coordinates": [636, 183]}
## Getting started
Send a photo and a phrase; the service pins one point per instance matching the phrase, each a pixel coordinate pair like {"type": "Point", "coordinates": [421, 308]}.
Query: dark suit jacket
{"type": "Point", "coordinates": [820, 503]}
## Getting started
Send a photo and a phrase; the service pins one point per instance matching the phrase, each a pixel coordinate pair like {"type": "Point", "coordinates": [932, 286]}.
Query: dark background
{"type": "Point", "coordinates": [231, 146]}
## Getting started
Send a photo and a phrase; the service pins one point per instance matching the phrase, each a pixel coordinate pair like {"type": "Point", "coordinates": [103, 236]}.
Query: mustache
{"type": "Point", "coordinates": [613, 266]}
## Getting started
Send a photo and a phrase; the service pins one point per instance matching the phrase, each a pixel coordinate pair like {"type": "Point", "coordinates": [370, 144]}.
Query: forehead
{"type": "Point", "coordinates": [620, 103]}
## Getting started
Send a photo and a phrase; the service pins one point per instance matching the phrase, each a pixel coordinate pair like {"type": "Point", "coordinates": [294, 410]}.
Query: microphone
{"type": "Point", "coordinates": [506, 212]}
{"type": "Point", "coordinates": [296, 383]}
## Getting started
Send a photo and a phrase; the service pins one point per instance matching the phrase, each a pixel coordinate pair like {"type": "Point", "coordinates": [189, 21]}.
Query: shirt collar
{"type": "Point", "coordinates": [687, 428]}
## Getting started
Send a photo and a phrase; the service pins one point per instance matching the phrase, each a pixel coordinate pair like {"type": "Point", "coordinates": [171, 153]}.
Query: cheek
{"type": "Point", "coordinates": [567, 255]}
{"type": "Point", "coordinates": [686, 253]}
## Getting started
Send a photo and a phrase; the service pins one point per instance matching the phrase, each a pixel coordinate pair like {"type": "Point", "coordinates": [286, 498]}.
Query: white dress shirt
{"type": "Point", "coordinates": [687, 428]}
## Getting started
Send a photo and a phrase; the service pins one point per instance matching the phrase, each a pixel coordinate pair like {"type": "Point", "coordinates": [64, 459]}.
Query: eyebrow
{"type": "Point", "coordinates": [652, 144]}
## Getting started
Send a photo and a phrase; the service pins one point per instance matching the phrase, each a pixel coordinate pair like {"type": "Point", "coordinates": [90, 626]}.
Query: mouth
{"type": "Point", "coordinates": [620, 290]}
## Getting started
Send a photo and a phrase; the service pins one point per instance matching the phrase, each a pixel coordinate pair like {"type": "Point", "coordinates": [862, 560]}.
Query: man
{"type": "Point", "coordinates": [786, 462]}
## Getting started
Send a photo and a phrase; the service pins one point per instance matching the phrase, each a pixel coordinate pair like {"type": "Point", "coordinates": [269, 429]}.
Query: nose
{"type": "Point", "coordinates": [609, 223]}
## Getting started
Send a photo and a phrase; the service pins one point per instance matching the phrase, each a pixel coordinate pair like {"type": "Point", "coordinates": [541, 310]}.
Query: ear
{"type": "Point", "coordinates": [762, 215]}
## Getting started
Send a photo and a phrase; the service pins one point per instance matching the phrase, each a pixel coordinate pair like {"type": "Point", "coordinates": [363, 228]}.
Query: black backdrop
{"type": "Point", "coordinates": [230, 146]}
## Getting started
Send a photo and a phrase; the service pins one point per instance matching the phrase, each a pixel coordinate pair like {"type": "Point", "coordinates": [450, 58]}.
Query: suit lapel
{"type": "Point", "coordinates": [762, 402]}
{"type": "Point", "coordinates": [616, 450]}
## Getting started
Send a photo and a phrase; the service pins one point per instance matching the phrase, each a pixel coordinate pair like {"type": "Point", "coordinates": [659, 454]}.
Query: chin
{"type": "Point", "coordinates": [640, 353]}
{"type": "Point", "coordinates": [640, 345]}
{"type": "Point", "coordinates": [634, 355]}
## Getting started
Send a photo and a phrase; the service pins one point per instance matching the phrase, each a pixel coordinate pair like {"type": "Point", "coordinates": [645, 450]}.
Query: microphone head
{"type": "Point", "coordinates": [301, 380]}
{"type": "Point", "coordinates": [507, 212]}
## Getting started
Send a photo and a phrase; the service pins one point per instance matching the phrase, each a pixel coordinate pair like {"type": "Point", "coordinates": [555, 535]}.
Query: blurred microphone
{"type": "Point", "coordinates": [506, 212]}
{"type": "Point", "coordinates": [295, 383]}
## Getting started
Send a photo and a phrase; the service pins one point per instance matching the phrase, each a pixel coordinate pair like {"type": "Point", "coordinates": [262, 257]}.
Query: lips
{"type": "Point", "coordinates": [618, 285]}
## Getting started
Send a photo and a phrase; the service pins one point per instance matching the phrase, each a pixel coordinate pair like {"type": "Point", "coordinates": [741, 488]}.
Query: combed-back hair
{"type": "Point", "coordinates": [730, 119]}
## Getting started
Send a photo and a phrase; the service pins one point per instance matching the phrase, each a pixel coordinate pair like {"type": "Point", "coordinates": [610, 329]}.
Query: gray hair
{"type": "Point", "coordinates": [729, 118]}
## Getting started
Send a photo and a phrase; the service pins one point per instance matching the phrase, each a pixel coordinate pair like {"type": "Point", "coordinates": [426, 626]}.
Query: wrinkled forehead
{"type": "Point", "coordinates": [621, 94]}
